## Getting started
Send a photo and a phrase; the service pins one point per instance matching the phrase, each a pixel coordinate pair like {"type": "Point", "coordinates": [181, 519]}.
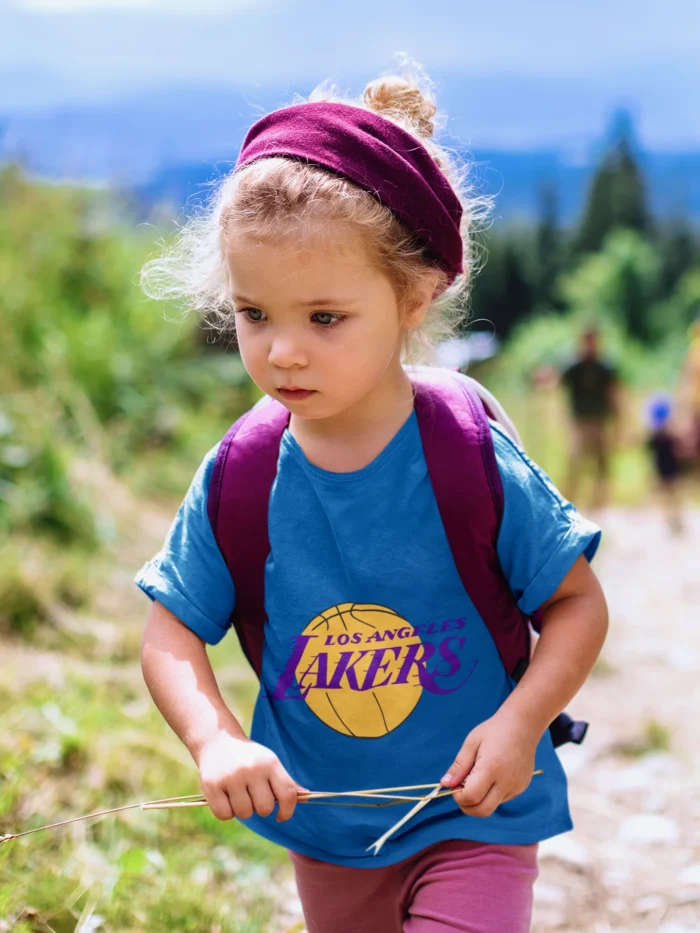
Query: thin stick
{"type": "Point", "coordinates": [435, 793]}
{"type": "Point", "coordinates": [373, 790]}
{"type": "Point", "coordinates": [310, 798]}
{"type": "Point", "coordinates": [165, 803]}
{"type": "Point", "coordinates": [319, 797]}
{"type": "Point", "coordinates": [203, 803]}
{"type": "Point", "coordinates": [341, 803]}
{"type": "Point", "coordinates": [419, 806]}
{"type": "Point", "coordinates": [88, 816]}
{"type": "Point", "coordinates": [398, 798]}
{"type": "Point", "coordinates": [379, 790]}
{"type": "Point", "coordinates": [174, 805]}
{"type": "Point", "coordinates": [356, 793]}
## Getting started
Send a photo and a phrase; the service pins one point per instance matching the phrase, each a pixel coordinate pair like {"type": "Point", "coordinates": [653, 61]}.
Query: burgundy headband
{"type": "Point", "coordinates": [378, 156]}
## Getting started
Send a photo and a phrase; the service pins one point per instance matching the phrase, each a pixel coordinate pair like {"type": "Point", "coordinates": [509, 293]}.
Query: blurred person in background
{"type": "Point", "coordinates": [663, 444]}
{"type": "Point", "coordinates": [592, 388]}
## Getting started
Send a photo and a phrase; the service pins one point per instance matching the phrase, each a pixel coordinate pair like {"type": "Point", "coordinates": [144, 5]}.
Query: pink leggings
{"type": "Point", "coordinates": [470, 887]}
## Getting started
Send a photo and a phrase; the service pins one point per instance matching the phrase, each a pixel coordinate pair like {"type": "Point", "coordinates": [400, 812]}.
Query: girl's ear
{"type": "Point", "coordinates": [420, 300]}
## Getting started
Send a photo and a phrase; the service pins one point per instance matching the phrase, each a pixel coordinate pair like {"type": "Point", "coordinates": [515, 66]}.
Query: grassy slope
{"type": "Point", "coordinates": [79, 733]}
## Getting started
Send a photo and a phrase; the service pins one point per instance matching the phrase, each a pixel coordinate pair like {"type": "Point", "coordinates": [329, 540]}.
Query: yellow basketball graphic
{"type": "Point", "coordinates": [358, 671]}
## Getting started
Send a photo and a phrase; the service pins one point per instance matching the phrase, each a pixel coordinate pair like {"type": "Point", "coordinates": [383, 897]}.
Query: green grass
{"type": "Point", "coordinates": [96, 742]}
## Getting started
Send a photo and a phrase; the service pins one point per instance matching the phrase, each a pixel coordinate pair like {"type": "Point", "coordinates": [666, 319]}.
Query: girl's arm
{"type": "Point", "coordinates": [574, 626]}
{"type": "Point", "coordinates": [181, 681]}
{"type": "Point", "coordinates": [497, 757]}
{"type": "Point", "coordinates": [238, 776]}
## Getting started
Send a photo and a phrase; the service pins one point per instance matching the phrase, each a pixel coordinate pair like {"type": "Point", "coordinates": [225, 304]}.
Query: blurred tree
{"type": "Point", "coordinates": [548, 247]}
{"type": "Point", "coordinates": [683, 306]}
{"type": "Point", "coordinates": [75, 324]}
{"type": "Point", "coordinates": [680, 251]}
{"type": "Point", "coordinates": [503, 292]}
{"type": "Point", "coordinates": [617, 195]}
{"type": "Point", "coordinates": [621, 283]}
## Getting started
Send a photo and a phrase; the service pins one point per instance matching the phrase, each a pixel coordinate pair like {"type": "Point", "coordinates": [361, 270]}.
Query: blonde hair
{"type": "Point", "coordinates": [267, 197]}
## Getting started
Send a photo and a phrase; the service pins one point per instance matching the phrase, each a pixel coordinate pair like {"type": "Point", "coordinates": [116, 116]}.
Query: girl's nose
{"type": "Point", "coordinates": [286, 351]}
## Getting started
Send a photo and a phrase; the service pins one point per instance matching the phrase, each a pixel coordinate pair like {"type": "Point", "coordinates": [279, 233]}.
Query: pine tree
{"type": "Point", "coordinates": [617, 196]}
{"type": "Point", "coordinates": [680, 251]}
{"type": "Point", "coordinates": [548, 258]}
{"type": "Point", "coordinates": [629, 192]}
{"type": "Point", "coordinates": [503, 293]}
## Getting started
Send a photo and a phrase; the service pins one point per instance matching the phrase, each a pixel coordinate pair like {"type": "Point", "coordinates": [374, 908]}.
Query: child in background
{"type": "Point", "coordinates": [663, 445]}
{"type": "Point", "coordinates": [338, 245]}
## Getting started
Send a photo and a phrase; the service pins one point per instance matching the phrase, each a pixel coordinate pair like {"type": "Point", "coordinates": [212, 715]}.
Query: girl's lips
{"type": "Point", "coordinates": [296, 395]}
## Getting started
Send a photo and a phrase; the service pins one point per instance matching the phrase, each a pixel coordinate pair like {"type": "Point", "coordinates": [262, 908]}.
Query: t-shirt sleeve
{"type": "Point", "coordinates": [542, 535]}
{"type": "Point", "coordinates": [189, 575]}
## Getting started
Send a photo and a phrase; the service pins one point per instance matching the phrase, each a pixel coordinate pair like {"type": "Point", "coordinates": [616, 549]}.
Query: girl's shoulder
{"type": "Point", "coordinates": [517, 469]}
{"type": "Point", "coordinates": [494, 410]}
{"type": "Point", "coordinates": [199, 486]}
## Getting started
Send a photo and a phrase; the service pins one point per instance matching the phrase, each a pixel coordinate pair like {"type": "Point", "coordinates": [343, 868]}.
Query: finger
{"type": "Point", "coordinates": [476, 787]}
{"type": "Point", "coordinates": [263, 798]}
{"type": "Point", "coordinates": [492, 800]}
{"type": "Point", "coordinates": [219, 803]}
{"type": "Point", "coordinates": [240, 801]}
{"type": "Point", "coordinates": [286, 792]}
{"type": "Point", "coordinates": [463, 763]}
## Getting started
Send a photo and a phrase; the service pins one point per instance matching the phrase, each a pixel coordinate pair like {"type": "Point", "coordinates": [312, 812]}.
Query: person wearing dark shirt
{"type": "Point", "coordinates": [591, 386]}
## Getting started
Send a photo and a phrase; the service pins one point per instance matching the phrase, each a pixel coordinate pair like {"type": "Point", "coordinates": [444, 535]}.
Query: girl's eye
{"type": "Point", "coordinates": [254, 315]}
{"type": "Point", "coordinates": [326, 319]}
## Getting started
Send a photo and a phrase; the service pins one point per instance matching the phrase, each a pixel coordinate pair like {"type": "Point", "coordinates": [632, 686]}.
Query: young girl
{"type": "Point", "coordinates": [337, 243]}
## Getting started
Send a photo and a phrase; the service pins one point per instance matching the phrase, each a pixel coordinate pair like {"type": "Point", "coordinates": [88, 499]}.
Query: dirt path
{"type": "Point", "coordinates": [633, 860]}
{"type": "Point", "coordinates": [632, 863]}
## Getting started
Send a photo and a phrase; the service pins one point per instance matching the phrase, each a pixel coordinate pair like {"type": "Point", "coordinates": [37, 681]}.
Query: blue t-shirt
{"type": "Point", "coordinates": [376, 664]}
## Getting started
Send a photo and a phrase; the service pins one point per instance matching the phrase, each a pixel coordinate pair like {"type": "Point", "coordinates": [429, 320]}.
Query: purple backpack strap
{"type": "Point", "coordinates": [239, 496]}
{"type": "Point", "coordinates": [460, 456]}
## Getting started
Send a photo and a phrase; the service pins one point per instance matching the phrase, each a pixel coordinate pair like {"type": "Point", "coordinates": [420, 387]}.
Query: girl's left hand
{"type": "Point", "coordinates": [495, 763]}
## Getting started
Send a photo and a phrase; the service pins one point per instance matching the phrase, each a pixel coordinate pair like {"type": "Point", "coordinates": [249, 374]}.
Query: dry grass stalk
{"type": "Point", "coordinates": [389, 796]}
{"type": "Point", "coordinates": [437, 791]}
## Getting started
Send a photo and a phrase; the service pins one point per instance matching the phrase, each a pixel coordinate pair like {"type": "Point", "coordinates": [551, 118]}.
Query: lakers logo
{"type": "Point", "coordinates": [361, 668]}
{"type": "Point", "coordinates": [359, 678]}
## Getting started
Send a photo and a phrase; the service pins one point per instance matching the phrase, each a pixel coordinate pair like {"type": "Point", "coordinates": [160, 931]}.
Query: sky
{"type": "Point", "coordinates": [501, 57]}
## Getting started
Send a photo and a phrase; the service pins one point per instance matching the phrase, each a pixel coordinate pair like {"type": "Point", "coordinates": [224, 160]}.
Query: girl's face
{"type": "Point", "coordinates": [319, 327]}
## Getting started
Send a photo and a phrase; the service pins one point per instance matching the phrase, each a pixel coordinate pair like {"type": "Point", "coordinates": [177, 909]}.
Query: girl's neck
{"type": "Point", "coordinates": [353, 438]}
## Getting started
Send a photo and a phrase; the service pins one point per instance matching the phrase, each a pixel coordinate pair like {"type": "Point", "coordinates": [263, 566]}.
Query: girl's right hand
{"type": "Point", "coordinates": [239, 777]}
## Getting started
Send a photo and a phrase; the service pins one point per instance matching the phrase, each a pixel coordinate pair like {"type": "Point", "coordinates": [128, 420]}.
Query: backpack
{"type": "Point", "coordinates": [458, 448]}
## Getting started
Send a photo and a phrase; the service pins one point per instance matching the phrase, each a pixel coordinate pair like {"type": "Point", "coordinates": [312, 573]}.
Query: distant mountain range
{"type": "Point", "coordinates": [166, 146]}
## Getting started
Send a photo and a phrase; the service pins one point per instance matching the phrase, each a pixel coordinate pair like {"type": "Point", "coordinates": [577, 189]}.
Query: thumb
{"type": "Point", "coordinates": [463, 763]}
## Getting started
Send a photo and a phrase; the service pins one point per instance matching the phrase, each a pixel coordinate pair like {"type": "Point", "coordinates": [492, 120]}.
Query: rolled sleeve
{"type": "Point", "coordinates": [582, 538]}
{"type": "Point", "coordinates": [157, 585]}
{"type": "Point", "coordinates": [542, 534]}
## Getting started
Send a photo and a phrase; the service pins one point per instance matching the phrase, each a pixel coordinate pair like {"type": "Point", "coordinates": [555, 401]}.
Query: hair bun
{"type": "Point", "coordinates": [399, 98]}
